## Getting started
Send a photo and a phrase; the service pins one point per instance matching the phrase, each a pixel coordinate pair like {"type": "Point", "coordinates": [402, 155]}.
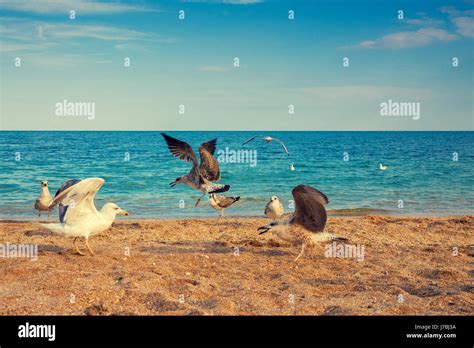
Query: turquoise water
{"type": "Point", "coordinates": [421, 170]}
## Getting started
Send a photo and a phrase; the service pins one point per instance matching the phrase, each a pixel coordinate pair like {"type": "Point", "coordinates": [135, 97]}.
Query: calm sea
{"type": "Point", "coordinates": [422, 178]}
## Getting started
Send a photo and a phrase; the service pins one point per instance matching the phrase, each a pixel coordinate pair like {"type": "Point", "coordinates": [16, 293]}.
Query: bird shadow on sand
{"type": "Point", "coordinates": [51, 249]}
{"type": "Point", "coordinates": [207, 247]}
{"type": "Point", "coordinates": [38, 233]}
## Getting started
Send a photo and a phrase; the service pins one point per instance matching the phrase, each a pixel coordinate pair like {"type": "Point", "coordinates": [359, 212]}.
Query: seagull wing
{"type": "Point", "coordinates": [66, 185]}
{"type": "Point", "coordinates": [209, 167]}
{"type": "Point", "coordinates": [78, 199]}
{"type": "Point", "coordinates": [309, 212]}
{"type": "Point", "coordinates": [180, 149]}
{"type": "Point", "coordinates": [282, 145]}
{"type": "Point", "coordinates": [225, 202]}
{"type": "Point", "coordinates": [268, 208]}
{"type": "Point", "coordinates": [63, 209]}
{"type": "Point", "coordinates": [251, 139]}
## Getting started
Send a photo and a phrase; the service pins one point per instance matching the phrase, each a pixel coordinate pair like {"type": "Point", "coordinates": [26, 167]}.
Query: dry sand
{"type": "Point", "coordinates": [192, 267]}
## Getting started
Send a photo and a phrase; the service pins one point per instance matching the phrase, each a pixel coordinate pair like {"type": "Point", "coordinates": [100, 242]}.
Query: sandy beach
{"type": "Point", "coordinates": [419, 266]}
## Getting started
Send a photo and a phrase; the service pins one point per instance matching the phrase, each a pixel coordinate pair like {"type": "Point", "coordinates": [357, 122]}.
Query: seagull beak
{"type": "Point", "coordinates": [123, 212]}
{"type": "Point", "coordinates": [263, 229]}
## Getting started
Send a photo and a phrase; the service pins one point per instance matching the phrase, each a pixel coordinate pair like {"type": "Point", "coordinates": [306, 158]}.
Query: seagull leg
{"type": "Point", "coordinates": [199, 199]}
{"type": "Point", "coordinates": [77, 248]}
{"type": "Point", "coordinates": [303, 246]}
{"type": "Point", "coordinates": [89, 247]}
{"type": "Point", "coordinates": [222, 213]}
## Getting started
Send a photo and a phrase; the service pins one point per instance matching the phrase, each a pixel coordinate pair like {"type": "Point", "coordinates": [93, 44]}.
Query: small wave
{"type": "Point", "coordinates": [359, 212]}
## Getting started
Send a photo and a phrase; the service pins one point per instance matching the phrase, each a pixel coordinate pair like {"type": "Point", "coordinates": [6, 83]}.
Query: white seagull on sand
{"type": "Point", "coordinates": [268, 139]}
{"type": "Point", "coordinates": [221, 202]}
{"type": "Point", "coordinates": [274, 208]}
{"type": "Point", "coordinates": [44, 200]}
{"type": "Point", "coordinates": [201, 177]}
{"type": "Point", "coordinates": [78, 215]}
{"type": "Point", "coordinates": [308, 221]}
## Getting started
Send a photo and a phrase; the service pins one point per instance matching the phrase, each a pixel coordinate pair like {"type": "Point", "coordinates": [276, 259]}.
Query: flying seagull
{"type": "Point", "coordinates": [274, 208]}
{"type": "Point", "coordinates": [382, 167]}
{"type": "Point", "coordinates": [78, 215]}
{"type": "Point", "coordinates": [308, 221]}
{"type": "Point", "coordinates": [268, 139]}
{"type": "Point", "coordinates": [221, 202]}
{"type": "Point", "coordinates": [44, 200]}
{"type": "Point", "coordinates": [201, 177]}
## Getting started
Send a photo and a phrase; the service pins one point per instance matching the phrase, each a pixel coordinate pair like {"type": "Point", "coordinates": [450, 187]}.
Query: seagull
{"type": "Point", "coordinates": [78, 215]}
{"type": "Point", "coordinates": [308, 221]}
{"type": "Point", "coordinates": [292, 167]}
{"type": "Point", "coordinates": [44, 200]}
{"type": "Point", "coordinates": [268, 139]}
{"type": "Point", "coordinates": [221, 202]}
{"type": "Point", "coordinates": [274, 208]}
{"type": "Point", "coordinates": [201, 176]}
{"type": "Point", "coordinates": [382, 167]}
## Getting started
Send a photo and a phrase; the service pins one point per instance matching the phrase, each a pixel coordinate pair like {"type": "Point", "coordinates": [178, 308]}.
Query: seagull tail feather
{"type": "Point", "coordinates": [325, 237]}
{"type": "Point", "coordinates": [55, 228]}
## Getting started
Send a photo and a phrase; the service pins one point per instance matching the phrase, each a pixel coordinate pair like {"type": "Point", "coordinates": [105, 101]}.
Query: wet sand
{"type": "Point", "coordinates": [419, 266]}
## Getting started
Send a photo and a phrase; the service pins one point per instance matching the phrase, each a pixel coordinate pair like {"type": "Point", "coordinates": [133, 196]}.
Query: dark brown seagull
{"type": "Point", "coordinates": [201, 177]}
{"type": "Point", "coordinates": [307, 224]}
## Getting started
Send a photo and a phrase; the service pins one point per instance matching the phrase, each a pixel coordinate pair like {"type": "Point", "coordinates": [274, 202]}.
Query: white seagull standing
{"type": "Point", "coordinates": [274, 208]}
{"type": "Point", "coordinates": [44, 200]}
{"type": "Point", "coordinates": [268, 139]}
{"type": "Point", "coordinates": [308, 221]}
{"type": "Point", "coordinates": [78, 215]}
{"type": "Point", "coordinates": [201, 176]}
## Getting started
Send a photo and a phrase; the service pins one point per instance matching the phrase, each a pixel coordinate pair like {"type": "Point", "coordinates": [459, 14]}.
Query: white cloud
{"type": "Point", "coordinates": [423, 21]}
{"type": "Point", "coordinates": [463, 20]}
{"type": "Point", "coordinates": [213, 68]}
{"type": "Point", "coordinates": [14, 47]}
{"type": "Point", "coordinates": [364, 92]}
{"type": "Point", "coordinates": [429, 33]}
{"type": "Point", "coordinates": [464, 25]}
{"type": "Point", "coordinates": [104, 33]}
{"type": "Point", "coordinates": [241, 2]}
{"type": "Point", "coordinates": [20, 34]}
{"type": "Point", "coordinates": [230, 2]}
{"type": "Point", "coordinates": [406, 39]}
{"type": "Point", "coordinates": [64, 6]}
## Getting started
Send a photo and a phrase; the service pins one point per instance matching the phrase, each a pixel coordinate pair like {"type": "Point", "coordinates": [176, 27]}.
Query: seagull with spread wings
{"type": "Point", "coordinates": [202, 176]}
{"type": "Point", "coordinates": [308, 221]}
{"type": "Point", "coordinates": [78, 215]}
{"type": "Point", "coordinates": [268, 140]}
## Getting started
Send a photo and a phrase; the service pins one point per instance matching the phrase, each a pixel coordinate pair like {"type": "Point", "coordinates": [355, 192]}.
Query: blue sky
{"type": "Point", "coordinates": [190, 62]}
